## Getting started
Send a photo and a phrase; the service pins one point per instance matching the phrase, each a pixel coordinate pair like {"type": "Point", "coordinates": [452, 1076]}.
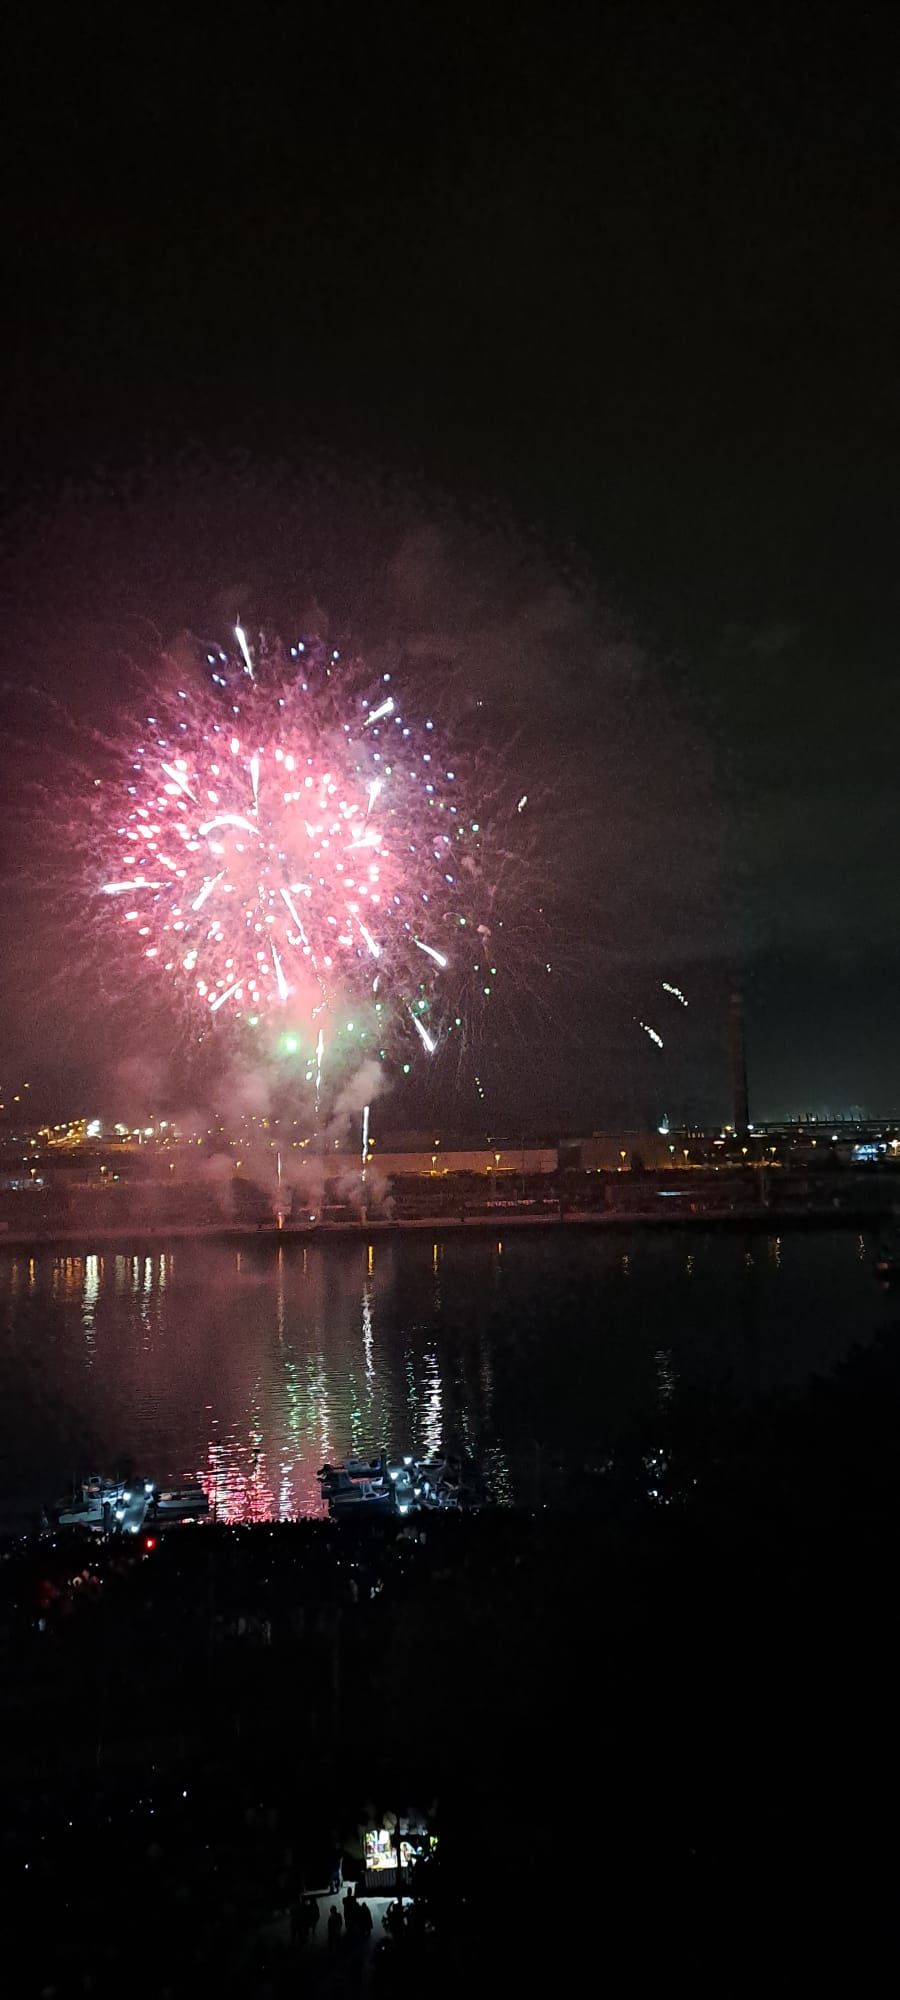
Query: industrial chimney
{"type": "Point", "coordinates": [739, 1099]}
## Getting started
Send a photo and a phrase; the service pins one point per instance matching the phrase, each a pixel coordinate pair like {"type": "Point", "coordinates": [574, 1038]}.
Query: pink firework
{"type": "Point", "coordinates": [288, 843]}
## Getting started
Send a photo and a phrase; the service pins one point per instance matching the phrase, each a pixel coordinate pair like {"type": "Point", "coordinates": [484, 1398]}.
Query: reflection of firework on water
{"type": "Point", "coordinates": [291, 848]}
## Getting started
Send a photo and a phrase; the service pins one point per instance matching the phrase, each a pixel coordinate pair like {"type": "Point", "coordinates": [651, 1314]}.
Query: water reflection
{"type": "Point", "coordinates": [486, 1379]}
{"type": "Point", "coordinates": [92, 1272]}
{"type": "Point", "coordinates": [432, 1427]}
{"type": "Point", "coordinates": [495, 1471]}
{"type": "Point", "coordinates": [68, 1274]}
{"type": "Point", "coordinates": [279, 1292]}
{"type": "Point", "coordinates": [368, 1348]}
{"type": "Point", "coordinates": [412, 1394]}
{"type": "Point", "coordinates": [665, 1373]}
{"type": "Point", "coordinates": [319, 1409]}
{"type": "Point", "coordinates": [19, 1270]}
{"type": "Point", "coordinates": [249, 1369]}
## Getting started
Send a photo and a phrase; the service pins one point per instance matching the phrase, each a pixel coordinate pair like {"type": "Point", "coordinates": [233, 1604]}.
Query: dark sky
{"type": "Point", "coordinates": [627, 275]}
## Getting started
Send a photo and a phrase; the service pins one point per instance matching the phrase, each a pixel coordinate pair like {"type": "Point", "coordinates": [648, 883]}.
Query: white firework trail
{"type": "Point", "coordinates": [428, 1042]}
{"type": "Point", "coordinates": [241, 638]}
{"type": "Point", "coordinates": [376, 714]}
{"type": "Point", "coordinates": [438, 956]}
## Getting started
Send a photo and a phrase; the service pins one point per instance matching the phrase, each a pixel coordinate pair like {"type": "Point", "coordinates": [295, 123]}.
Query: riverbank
{"type": "Point", "coordinates": [134, 1236]}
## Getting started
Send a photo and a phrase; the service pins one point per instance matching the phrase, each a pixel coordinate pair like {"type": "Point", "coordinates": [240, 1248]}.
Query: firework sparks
{"type": "Point", "coordinates": [172, 772]}
{"type": "Point", "coordinates": [288, 900]}
{"type": "Point", "coordinates": [119, 888]}
{"type": "Point", "coordinates": [675, 992]}
{"type": "Point", "coordinates": [288, 834]}
{"type": "Point", "coordinates": [428, 1042]}
{"type": "Point", "coordinates": [241, 638]}
{"type": "Point", "coordinates": [430, 952]}
{"type": "Point", "coordinates": [220, 998]}
{"type": "Point", "coordinates": [369, 941]}
{"type": "Point", "coordinates": [211, 883]}
{"type": "Point", "coordinates": [280, 981]}
{"type": "Point", "coordinates": [654, 1037]}
{"type": "Point", "coordinates": [377, 714]}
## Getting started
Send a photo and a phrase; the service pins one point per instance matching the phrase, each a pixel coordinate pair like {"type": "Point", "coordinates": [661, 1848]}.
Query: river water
{"type": "Point", "coordinates": [246, 1368]}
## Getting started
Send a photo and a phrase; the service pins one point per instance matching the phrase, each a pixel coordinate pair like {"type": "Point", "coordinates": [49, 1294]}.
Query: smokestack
{"type": "Point", "coordinates": [740, 1105]}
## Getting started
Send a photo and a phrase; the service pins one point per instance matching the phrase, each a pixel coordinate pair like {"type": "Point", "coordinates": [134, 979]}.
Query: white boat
{"type": "Point", "coordinates": [131, 1512]}
{"type": "Point", "coordinates": [401, 1485]}
{"type": "Point", "coordinates": [93, 1505]}
{"type": "Point", "coordinates": [349, 1470]}
{"type": "Point", "coordinates": [178, 1503]}
{"type": "Point", "coordinates": [366, 1495]}
{"type": "Point", "coordinates": [365, 1468]}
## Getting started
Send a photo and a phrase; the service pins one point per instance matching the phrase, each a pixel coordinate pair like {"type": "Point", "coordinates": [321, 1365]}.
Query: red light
{"type": "Point", "coordinates": [149, 1543]}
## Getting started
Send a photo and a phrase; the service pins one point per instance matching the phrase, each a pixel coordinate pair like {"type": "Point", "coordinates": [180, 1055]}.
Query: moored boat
{"type": "Point", "coordinates": [364, 1496]}
{"type": "Point", "coordinates": [92, 1505]}
{"type": "Point", "coordinates": [402, 1485]}
{"type": "Point", "coordinates": [178, 1503]}
{"type": "Point", "coordinates": [110, 1506]}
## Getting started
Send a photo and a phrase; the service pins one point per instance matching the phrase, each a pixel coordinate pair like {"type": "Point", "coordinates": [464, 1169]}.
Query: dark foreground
{"type": "Point", "coordinates": [657, 1733]}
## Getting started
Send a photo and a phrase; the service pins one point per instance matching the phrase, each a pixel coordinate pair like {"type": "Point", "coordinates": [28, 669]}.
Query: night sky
{"type": "Point", "coordinates": [601, 304]}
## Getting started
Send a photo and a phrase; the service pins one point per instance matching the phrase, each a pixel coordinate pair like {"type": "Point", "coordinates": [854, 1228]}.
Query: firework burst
{"type": "Point", "coordinates": [297, 853]}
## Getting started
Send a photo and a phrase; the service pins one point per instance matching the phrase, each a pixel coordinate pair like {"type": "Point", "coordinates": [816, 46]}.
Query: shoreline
{"type": "Point", "coordinates": [134, 1235]}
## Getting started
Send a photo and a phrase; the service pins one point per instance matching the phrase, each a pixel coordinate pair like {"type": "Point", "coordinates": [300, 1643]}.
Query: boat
{"type": "Point", "coordinates": [335, 1479]}
{"type": "Point", "coordinates": [351, 1472]}
{"type": "Point", "coordinates": [352, 1468]}
{"type": "Point", "coordinates": [366, 1468]}
{"type": "Point", "coordinates": [401, 1468]}
{"type": "Point", "coordinates": [380, 1485]}
{"type": "Point", "coordinates": [178, 1503]}
{"type": "Point", "coordinates": [446, 1472]}
{"type": "Point", "coordinates": [122, 1507]}
{"type": "Point", "coordinates": [362, 1496]}
{"type": "Point", "coordinates": [133, 1507]}
{"type": "Point", "coordinates": [92, 1505]}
